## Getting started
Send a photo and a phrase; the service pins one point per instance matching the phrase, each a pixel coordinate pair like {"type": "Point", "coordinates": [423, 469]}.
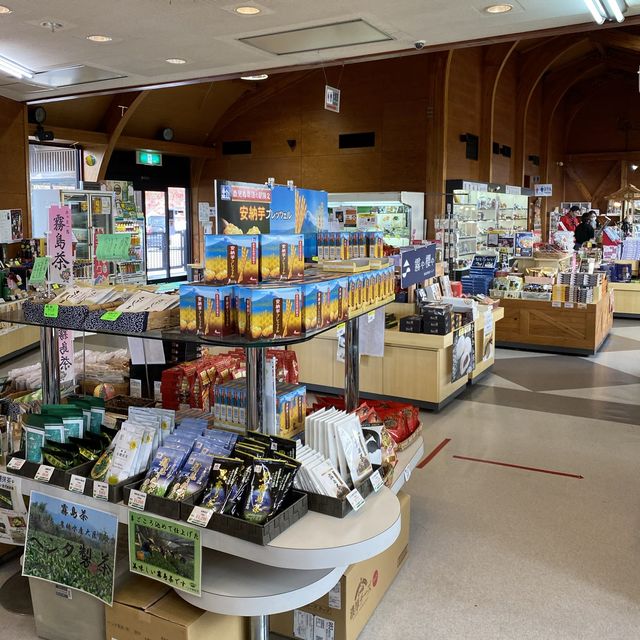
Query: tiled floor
{"type": "Point", "coordinates": [503, 553]}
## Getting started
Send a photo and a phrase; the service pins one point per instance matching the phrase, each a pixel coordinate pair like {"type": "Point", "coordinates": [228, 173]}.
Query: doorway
{"type": "Point", "coordinates": [167, 238]}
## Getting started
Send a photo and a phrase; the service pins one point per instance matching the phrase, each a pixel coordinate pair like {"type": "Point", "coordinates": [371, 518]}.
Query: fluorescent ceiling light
{"type": "Point", "coordinates": [499, 8]}
{"type": "Point", "coordinates": [99, 38]}
{"type": "Point", "coordinates": [5, 11]}
{"type": "Point", "coordinates": [603, 10]}
{"type": "Point", "coordinates": [176, 61]}
{"type": "Point", "coordinates": [258, 76]}
{"type": "Point", "coordinates": [14, 69]}
{"type": "Point", "coordinates": [248, 11]}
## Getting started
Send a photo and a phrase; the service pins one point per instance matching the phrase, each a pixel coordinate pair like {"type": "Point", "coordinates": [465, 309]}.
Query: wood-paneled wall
{"type": "Point", "coordinates": [14, 177]}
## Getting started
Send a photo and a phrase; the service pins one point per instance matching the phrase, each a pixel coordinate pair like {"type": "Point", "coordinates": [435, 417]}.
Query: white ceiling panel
{"type": "Point", "coordinates": [208, 34]}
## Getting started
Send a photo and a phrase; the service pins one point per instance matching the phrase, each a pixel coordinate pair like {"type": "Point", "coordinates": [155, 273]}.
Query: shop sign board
{"type": "Point", "coordinates": [544, 190]}
{"type": "Point", "coordinates": [512, 191]}
{"type": "Point", "coordinates": [332, 99]}
{"type": "Point", "coordinates": [60, 246]}
{"type": "Point", "coordinates": [166, 551]}
{"type": "Point", "coordinates": [417, 265]}
{"type": "Point", "coordinates": [71, 545]}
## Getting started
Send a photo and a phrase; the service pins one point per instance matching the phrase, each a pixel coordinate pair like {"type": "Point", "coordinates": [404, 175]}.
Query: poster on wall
{"type": "Point", "coordinates": [524, 244]}
{"type": "Point", "coordinates": [71, 545]}
{"type": "Point", "coordinates": [13, 513]}
{"type": "Point", "coordinates": [166, 551]}
{"type": "Point", "coordinates": [5, 226]}
{"type": "Point", "coordinates": [463, 352]}
{"type": "Point", "coordinates": [60, 246]}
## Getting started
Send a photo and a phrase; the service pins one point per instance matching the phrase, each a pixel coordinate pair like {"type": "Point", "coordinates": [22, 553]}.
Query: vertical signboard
{"type": "Point", "coordinates": [59, 245]}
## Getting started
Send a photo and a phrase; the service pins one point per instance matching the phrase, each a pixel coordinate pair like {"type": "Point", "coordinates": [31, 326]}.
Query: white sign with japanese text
{"type": "Point", "coordinates": [60, 245]}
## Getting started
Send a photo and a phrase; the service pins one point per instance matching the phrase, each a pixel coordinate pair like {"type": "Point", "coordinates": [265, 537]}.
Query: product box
{"type": "Point", "coordinates": [346, 609]}
{"type": "Point", "coordinates": [291, 409]}
{"type": "Point", "coordinates": [316, 296]}
{"type": "Point", "coordinates": [149, 610]}
{"type": "Point", "coordinates": [269, 312]}
{"type": "Point", "coordinates": [411, 324]}
{"type": "Point", "coordinates": [339, 297]}
{"type": "Point", "coordinates": [375, 244]}
{"type": "Point", "coordinates": [207, 310]}
{"type": "Point", "coordinates": [281, 257]}
{"type": "Point", "coordinates": [231, 259]}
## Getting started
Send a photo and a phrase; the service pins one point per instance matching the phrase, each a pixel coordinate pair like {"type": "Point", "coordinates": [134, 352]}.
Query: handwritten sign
{"type": "Point", "coordinates": [60, 245]}
{"type": "Point", "coordinates": [113, 246]}
{"type": "Point", "coordinates": [39, 271]}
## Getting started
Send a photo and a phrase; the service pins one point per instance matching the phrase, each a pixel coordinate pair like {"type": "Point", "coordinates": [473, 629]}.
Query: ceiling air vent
{"type": "Point", "coordinates": [356, 140]}
{"type": "Point", "coordinates": [236, 148]}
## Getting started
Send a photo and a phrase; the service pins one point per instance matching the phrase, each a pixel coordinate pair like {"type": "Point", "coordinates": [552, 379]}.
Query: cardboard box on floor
{"type": "Point", "coordinates": [147, 610]}
{"type": "Point", "coordinates": [344, 611]}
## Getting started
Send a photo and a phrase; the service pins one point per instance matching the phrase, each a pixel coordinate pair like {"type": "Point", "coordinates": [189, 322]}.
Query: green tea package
{"type": "Point", "coordinates": [191, 478]}
{"type": "Point", "coordinates": [164, 469]}
{"type": "Point", "coordinates": [260, 501]}
{"type": "Point", "coordinates": [223, 483]}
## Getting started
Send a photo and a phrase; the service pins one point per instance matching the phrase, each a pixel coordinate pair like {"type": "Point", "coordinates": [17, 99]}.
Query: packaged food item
{"type": "Point", "coordinates": [191, 478]}
{"type": "Point", "coordinates": [223, 483]}
{"type": "Point", "coordinates": [260, 501]}
{"type": "Point", "coordinates": [270, 312]}
{"type": "Point", "coordinates": [164, 468]}
{"type": "Point", "coordinates": [281, 257]}
{"type": "Point", "coordinates": [231, 259]}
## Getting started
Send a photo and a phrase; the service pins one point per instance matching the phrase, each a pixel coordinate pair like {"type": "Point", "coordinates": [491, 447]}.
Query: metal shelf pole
{"type": "Point", "coordinates": [259, 628]}
{"type": "Point", "coordinates": [255, 388]}
{"type": "Point", "coordinates": [351, 364]}
{"type": "Point", "coordinates": [50, 365]}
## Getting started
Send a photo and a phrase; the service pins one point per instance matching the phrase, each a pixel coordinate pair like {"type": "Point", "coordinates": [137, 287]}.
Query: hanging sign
{"type": "Point", "coordinates": [545, 190]}
{"type": "Point", "coordinates": [71, 545]}
{"type": "Point", "coordinates": [113, 246]}
{"type": "Point", "coordinates": [332, 99]}
{"type": "Point", "coordinates": [39, 271]}
{"type": "Point", "coordinates": [60, 245]}
{"type": "Point", "coordinates": [166, 551]}
{"type": "Point", "coordinates": [66, 355]}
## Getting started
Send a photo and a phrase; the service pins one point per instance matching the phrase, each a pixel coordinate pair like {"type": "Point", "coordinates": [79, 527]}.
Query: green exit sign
{"type": "Point", "coordinates": [149, 158]}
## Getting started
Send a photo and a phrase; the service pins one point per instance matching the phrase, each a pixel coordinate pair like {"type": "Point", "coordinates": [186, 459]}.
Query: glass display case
{"type": "Point", "coordinates": [400, 215]}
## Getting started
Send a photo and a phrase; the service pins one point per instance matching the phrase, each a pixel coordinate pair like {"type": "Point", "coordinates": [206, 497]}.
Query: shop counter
{"type": "Point", "coordinates": [18, 340]}
{"type": "Point", "coordinates": [626, 297]}
{"type": "Point", "coordinates": [555, 327]}
{"type": "Point", "coordinates": [415, 368]}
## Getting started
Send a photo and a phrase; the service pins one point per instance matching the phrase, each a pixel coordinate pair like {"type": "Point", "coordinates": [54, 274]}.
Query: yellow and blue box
{"type": "Point", "coordinates": [207, 310]}
{"type": "Point", "coordinates": [231, 259]}
{"type": "Point", "coordinates": [339, 296]}
{"type": "Point", "coordinates": [269, 312]}
{"type": "Point", "coordinates": [375, 244]}
{"type": "Point", "coordinates": [281, 257]}
{"type": "Point", "coordinates": [316, 294]}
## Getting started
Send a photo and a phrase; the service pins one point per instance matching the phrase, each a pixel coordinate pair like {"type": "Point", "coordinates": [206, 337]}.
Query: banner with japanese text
{"type": "Point", "coordinates": [60, 245]}
{"type": "Point", "coordinates": [166, 551]}
{"type": "Point", "coordinates": [66, 355]}
{"type": "Point", "coordinates": [71, 545]}
{"type": "Point", "coordinates": [13, 513]}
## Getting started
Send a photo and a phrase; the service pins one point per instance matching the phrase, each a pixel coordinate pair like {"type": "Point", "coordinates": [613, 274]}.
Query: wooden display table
{"type": "Point", "coordinates": [539, 326]}
{"type": "Point", "coordinates": [416, 367]}
{"type": "Point", "coordinates": [18, 341]}
{"type": "Point", "coordinates": [626, 302]}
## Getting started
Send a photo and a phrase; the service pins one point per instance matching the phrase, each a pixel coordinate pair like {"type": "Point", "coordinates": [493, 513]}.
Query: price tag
{"type": "Point", "coordinates": [100, 490]}
{"type": "Point", "coordinates": [556, 305]}
{"type": "Point", "coordinates": [355, 500]}
{"type": "Point", "coordinates": [44, 473]}
{"type": "Point", "coordinates": [582, 305]}
{"type": "Point", "coordinates": [51, 310]}
{"type": "Point", "coordinates": [135, 388]}
{"type": "Point", "coordinates": [407, 474]}
{"type": "Point", "coordinates": [111, 316]}
{"type": "Point", "coordinates": [371, 316]}
{"type": "Point", "coordinates": [568, 305]}
{"type": "Point", "coordinates": [157, 393]}
{"type": "Point", "coordinates": [200, 516]}
{"type": "Point", "coordinates": [77, 483]}
{"type": "Point", "coordinates": [137, 500]}
{"type": "Point", "coordinates": [376, 481]}
{"type": "Point", "coordinates": [16, 463]}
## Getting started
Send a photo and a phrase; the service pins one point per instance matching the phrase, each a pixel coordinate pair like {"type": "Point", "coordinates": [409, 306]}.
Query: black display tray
{"type": "Point", "coordinates": [68, 317]}
{"type": "Point", "coordinates": [335, 507]}
{"type": "Point", "coordinates": [154, 504]}
{"type": "Point", "coordinates": [116, 491]}
{"type": "Point", "coordinates": [296, 506]}
{"type": "Point", "coordinates": [29, 470]}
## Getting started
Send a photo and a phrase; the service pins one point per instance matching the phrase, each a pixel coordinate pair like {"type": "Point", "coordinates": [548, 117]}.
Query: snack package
{"type": "Point", "coordinates": [260, 501]}
{"type": "Point", "coordinates": [281, 257]}
{"type": "Point", "coordinates": [231, 259]}
{"type": "Point", "coordinates": [223, 483]}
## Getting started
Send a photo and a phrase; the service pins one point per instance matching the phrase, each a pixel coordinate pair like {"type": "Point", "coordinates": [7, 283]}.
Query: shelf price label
{"type": "Point", "coordinates": [355, 500]}
{"type": "Point", "coordinates": [77, 484]}
{"type": "Point", "coordinates": [376, 481]}
{"type": "Point", "coordinates": [111, 316]}
{"type": "Point", "coordinates": [200, 516]}
{"type": "Point", "coordinates": [16, 463]}
{"type": "Point", "coordinates": [137, 500]}
{"type": "Point", "coordinates": [44, 473]}
{"type": "Point", "coordinates": [100, 490]}
{"type": "Point", "coordinates": [51, 310]}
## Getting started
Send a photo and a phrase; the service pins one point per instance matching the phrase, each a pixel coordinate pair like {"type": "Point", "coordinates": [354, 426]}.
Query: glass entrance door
{"type": "Point", "coordinates": [177, 231]}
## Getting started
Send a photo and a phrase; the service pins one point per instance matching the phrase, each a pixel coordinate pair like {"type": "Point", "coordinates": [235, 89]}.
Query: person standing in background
{"type": "Point", "coordinates": [569, 220]}
{"type": "Point", "coordinates": [586, 230]}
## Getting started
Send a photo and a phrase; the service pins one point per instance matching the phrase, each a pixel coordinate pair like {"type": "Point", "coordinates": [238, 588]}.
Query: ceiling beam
{"type": "Point", "coordinates": [603, 156]}
{"type": "Point", "coordinates": [619, 39]}
{"type": "Point", "coordinates": [582, 187]}
{"type": "Point", "coordinates": [74, 136]}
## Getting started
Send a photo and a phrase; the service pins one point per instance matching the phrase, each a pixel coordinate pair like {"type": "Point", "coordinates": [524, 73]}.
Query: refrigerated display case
{"type": "Point", "coordinates": [399, 214]}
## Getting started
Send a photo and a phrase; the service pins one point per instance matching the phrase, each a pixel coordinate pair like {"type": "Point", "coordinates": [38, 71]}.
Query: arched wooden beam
{"type": "Point", "coordinates": [554, 88]}
{"type": "Point", "coordinates": [495, 58]}
{"type": "Point", "coordinates": [118, 114]}
{"type": "Point", "coordinates": [533, 67]}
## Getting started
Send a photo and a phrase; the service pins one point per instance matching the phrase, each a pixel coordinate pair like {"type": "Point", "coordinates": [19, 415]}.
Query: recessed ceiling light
{"type": "Point", "coordinates": [176, 61]}
{"type": "Point", "coordinates": [258, 76]}
{"type": "Point", "coordinates": [4, 11]}
{"type": "Point", "coordinates": [248, 11]}
{"type": "Point", "coordinates": [499, 8]}
{"type": "Point", "coordinates": [99, 38]}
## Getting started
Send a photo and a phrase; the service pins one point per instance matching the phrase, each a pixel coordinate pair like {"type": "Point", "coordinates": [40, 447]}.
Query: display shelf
{"type": "Point", "coordinates": [175, 335]}
{"type": "Point", "coordinates": [316, 541]}
{"type": "Point", "coordinates": [237, 587]}
{"type": "Point", "coordinates": [626, 299]}
{"type": "Point", "coordinates": [408, 460]}
{"type": "Point", "coordinates": [18, 341]}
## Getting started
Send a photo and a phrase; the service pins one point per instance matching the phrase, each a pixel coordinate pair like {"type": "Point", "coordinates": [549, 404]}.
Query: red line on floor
{"type": "Point", "coordinates": [517, 466]}
{"type": "Point", "coordinates": [434, 453]}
